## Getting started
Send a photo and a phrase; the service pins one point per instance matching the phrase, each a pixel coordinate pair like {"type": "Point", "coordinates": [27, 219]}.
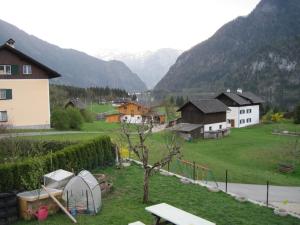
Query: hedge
{"type": "Point", "coordinates": [27, 175]}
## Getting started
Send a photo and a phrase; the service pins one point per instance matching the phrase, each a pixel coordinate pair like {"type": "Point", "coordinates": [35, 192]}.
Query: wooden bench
{"type": "Point", "coordinates": [167, 214]}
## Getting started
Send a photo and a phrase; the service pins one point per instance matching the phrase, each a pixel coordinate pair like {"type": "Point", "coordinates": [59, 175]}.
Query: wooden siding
{"type": "Point", "coordinates": [191, 114]}
{"type": "Point", "coordinates": [115, 118]}
{"type": "Point", "coordinates": [9, 58]}
{"type": "Point", "coordinates": [132, 109]}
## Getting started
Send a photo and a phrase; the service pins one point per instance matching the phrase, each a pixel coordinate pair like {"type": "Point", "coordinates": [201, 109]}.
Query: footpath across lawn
{"type": "Point", "coordinates": [124, 205]}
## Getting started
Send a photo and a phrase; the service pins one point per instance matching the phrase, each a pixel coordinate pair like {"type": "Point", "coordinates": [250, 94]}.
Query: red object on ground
{"type": "Point", "coordinates": [42, 213]}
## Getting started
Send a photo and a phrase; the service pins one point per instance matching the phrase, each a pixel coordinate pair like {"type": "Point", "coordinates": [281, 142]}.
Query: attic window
{"type": "Point", "coordinates": [27, 69]}
{"type": "Point", "coordinates": [5, 70]}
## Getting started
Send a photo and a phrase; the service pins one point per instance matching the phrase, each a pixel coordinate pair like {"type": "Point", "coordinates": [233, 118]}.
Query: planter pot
{"type": "Point", "coordinates": [280, 212]}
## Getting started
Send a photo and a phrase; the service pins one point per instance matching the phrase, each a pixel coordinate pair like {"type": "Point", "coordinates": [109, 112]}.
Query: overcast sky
{"type": "Point", "coordinates": [123, 25]}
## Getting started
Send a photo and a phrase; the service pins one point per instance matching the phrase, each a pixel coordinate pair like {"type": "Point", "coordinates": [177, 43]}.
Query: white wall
{"type": "Point", "coordinates": [132, 119]}
{"type": "Point", "coordinates": [234, 114]}
{"type": "Point", "coordinates": [215, 126]}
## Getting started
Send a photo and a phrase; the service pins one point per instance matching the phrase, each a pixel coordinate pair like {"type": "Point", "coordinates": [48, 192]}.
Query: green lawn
{"type": "Point", "coordinates": [97, 108]}
{"type": "Point", "coordinates": [251, 155]}
{"type": "Point", "coordinates": [124, 205]}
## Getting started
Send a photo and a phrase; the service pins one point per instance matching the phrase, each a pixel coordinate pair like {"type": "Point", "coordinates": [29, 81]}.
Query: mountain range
{"type": "Point", "coordinates": [258, 53]}
{"type": "Point", "coordinates": [77, 68]}
{"type": "Point", "coordinates": [150, 66]}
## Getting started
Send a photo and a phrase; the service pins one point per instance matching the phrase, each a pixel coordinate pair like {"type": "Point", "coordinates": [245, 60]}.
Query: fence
{"type": "Point", "coordinates": [192, 170]}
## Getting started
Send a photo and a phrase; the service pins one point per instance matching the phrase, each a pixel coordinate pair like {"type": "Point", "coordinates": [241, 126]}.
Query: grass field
{"type": "Point", "coordinates": [251, 155]}
{"type": "Point", "coordinates": [97, 108]}
{"type": "Point", "coordinates": [124, 205]}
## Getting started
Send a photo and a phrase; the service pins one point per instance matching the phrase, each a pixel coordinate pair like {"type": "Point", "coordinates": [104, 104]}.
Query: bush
{"type": "Point", "coordinates": [297, 115]}
{"type": "Point", "coordinates": [28, 173]}
{"type": "Point", "coordinates": [75, 118]}
{"type": "Point", "coordinates": [87, 115]}
{"type": "Point", "coordinates": [277, 117]}
{"type": "Point", "coordinates": [60, 119]}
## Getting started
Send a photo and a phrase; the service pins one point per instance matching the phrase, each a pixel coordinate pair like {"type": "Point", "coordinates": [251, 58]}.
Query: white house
{"type": "Point", "coordinates": [244, 108]}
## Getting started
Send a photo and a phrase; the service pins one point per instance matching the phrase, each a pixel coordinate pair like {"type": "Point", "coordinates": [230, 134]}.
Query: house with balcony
{"type": "Point", "coordinates": [244, 108]}
{"type": "Point", "coordinates": [24, 89]}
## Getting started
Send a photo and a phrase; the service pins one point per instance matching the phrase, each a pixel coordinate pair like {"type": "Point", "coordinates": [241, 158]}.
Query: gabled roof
{"type": "Point", "coordinates": [236, 98]}
{"type": "Point", "coordinates": [51, 73]}
{"type": "Point", "coordinates": [134, 103]}
{"type": "Point", "coordinates": [252, 97]}
{"type": "Point", "coordinates": [207, 105]}
{"type": "Point", "coordinates": [76, 102]}
{"type": "Point", "coordinates": [244, 98]}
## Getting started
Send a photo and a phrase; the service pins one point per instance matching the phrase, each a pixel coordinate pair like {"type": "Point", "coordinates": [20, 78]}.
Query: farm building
{"type": "Point", "coordinates": [75, 103]}
{"type": "Point", "coordinates": [202, 118]}
{"type": "Point", "coordinates": [244, 108]}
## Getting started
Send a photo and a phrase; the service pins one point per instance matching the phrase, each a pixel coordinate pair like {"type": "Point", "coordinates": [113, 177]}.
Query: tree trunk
{"type": "Point", "coordinates": [146, 185]}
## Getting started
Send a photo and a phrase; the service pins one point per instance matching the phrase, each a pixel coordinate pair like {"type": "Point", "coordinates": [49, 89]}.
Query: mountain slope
{"type": "Point", "coordinates": [149, 66]}
{"type": "Point", "coordinates": [259, 52]}
{"type": "Point", "coordinates": [77, 68]}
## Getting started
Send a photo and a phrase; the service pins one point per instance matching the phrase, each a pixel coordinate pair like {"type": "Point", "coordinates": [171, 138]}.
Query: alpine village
{"type": "Point", "coordinates": [202, 136]}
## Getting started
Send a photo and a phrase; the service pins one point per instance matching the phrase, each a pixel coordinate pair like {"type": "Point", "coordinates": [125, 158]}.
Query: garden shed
{"type": "Point", "coordinates": [83, 193]}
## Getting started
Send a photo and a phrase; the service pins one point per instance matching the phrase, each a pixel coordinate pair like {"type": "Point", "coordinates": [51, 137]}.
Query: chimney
{"type": "Point", "coordinates": [228, 90]}
{"type": "Point", "coordinates": [239, 90]}
{"type": "Point", "coordinates": [11, 43]}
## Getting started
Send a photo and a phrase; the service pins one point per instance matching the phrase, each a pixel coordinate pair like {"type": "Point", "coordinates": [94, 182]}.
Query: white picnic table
{"type": "Point", "coordinates": [173, 215]}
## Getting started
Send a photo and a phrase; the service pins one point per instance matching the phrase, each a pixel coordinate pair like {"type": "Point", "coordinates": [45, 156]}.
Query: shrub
{"type": "Point", "coordinates": [297, 115]}
{"type": "Point", "coordinates": [60, 119]}
{"type": "Point", "coordinates": [277, 117]}
{"type": "Point", "coordinates": [87, 115]}
{"type": "Point", "coordinates": [28, 173]}
{"type": "Point", "coordinates": [75, 118]}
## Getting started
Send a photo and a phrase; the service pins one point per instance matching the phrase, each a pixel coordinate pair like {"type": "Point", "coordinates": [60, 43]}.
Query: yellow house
{"type": "Point", "coordinates": [24, 89]}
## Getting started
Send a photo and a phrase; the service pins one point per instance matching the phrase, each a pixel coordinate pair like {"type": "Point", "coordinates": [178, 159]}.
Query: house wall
{"type": "Point", "coordinates": [191, 114]}
{"type": "Point", "coordinates": [29, 106]}
{"type": "Point", "coordinates": [215, 126]}
{"type": "Point", "coordinates": [234, 114]}
{"type": "Point", "coordinates": [132, 119]}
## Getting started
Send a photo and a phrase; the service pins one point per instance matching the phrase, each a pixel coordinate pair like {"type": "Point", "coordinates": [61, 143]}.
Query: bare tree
{"type": "Point", "coordinates": [141, 150]}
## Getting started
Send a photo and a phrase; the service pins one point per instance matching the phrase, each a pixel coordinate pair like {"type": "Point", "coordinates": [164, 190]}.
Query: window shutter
{"type": "Point", "coordinates": [14, 69]}
{"type": "Point", "coordinates": [8, 94]}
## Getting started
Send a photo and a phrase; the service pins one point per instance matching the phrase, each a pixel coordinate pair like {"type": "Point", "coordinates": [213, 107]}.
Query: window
{"type": "Point", "coordinates": [5, 70]}
{"type": "Point", "coordinates": [220, 127]}
{"type": "Point", "coordinates": [3, 116]}
{"type": "Point", "coordinates": [249, 110]}
{"type": "Point", "coordinates": [249, 120]}
{"type": "Point", "coordinates": [27, 69]}
{"type": "Point", "coordinates": [210, 128]}
{"type": "Point", "coordinates": [242, 121]}
{"type": "Point", "coordinates": [5, 94]}
{"type": "Point", "coordinates": [242, 111]}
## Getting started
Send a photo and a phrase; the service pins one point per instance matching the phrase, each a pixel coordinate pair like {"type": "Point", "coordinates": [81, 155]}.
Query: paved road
{"type": "Point", "coordinates": [280, 196]}
{"type": "Point", "coordinates": [27, 134]}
